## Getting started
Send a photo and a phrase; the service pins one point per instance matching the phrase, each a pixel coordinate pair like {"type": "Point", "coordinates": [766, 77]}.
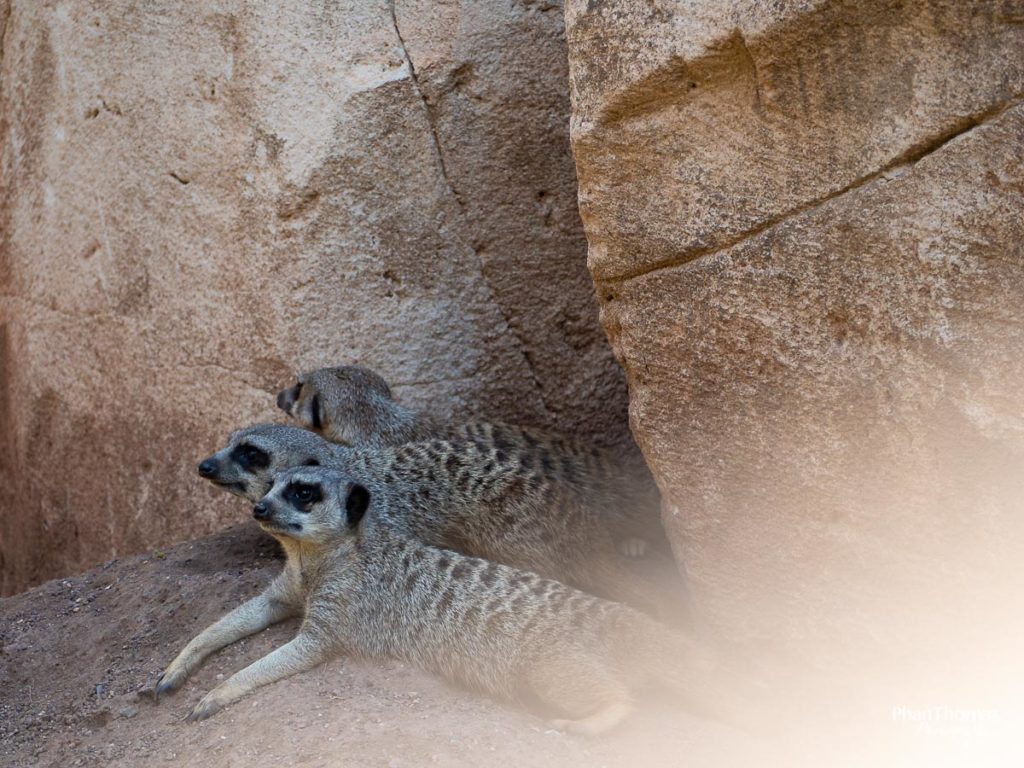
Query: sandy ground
{"type": "Point", "coordinates": [78, 655]}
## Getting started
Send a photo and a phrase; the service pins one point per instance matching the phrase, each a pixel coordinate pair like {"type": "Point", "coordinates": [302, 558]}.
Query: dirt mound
{"type": "Point", "coordinates": [79, 655]}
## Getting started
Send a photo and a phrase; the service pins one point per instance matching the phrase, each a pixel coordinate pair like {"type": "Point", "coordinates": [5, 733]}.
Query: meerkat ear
{"type": "Point", "coordinates": [311, 463]}
{"type": "Point", "coordinates": [356, 504]}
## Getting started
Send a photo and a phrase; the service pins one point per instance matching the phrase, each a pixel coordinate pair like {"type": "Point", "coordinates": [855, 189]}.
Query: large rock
{"type": "Point", "coordinates": [200, 198]}
{"type": "Point", "coordinates": [806, 224]}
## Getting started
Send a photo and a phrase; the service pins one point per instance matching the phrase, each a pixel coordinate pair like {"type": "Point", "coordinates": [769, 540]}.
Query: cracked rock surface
{"type": "Point", "coordinates": [805, 224]}
{"type": "Point", "coordinates": [200, 199]}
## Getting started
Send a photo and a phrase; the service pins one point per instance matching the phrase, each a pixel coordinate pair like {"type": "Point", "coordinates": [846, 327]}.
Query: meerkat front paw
{"type": "Point", "coordinates": [633, 547]}
{"type": "Point", "coordinates": [208, 706]}
{"type": "Point", "coordinates": [171, 680]}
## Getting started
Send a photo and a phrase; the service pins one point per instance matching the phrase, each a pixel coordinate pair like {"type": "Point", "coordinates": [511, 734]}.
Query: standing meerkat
{"type": "Point", "coordinates": [477, 499]}
{"type": "Point", "coordinates": [351, 405]}
{"type": "Point", "coordinates": [364, 587]}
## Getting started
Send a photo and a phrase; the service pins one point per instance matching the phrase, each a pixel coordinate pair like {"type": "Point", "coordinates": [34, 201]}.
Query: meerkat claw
{"type": "Point", "coordinates": [207, 707]}
{"type": "Point", "coordinates": [166, 683]}
{"type": "Point", "coordinates": [162, 687]}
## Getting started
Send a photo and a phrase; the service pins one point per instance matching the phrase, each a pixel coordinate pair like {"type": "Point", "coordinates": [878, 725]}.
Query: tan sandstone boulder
{"type": "Point", "coordinates": [805, 224]}
{"type": "Point", "coordinates": [200, 198]}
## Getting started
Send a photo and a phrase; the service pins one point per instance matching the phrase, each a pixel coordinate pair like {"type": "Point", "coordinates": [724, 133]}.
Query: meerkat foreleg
{"type": "Point", "coordinates": [270, 607]}
{"type": "Point", "coordinates": [302, 653]}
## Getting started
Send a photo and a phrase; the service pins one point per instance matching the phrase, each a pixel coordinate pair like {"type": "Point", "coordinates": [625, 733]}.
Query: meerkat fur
{"type": "Point", "coordinates": [482, 499]}
{"type": "Point", "coordinates": [352, 405]}
{"type": "Point", "coordinates": [365, 587]}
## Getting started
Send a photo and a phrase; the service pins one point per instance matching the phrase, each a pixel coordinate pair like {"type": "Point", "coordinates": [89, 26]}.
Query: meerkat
{"type": "Point", "coordinates": [365, 587]}
{"type": "Point", "coordinates": [476, 498]}
{"type": "Point", "coordinates": [351, 405]}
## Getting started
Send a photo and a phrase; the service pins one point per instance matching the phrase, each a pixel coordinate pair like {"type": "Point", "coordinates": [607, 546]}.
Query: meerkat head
{"type": "Point", "coordinates": [347, 404]}
{"type": "Point", "coordinates": [247, 465]}
{"type": "Point", "coordinates": [312, 504]}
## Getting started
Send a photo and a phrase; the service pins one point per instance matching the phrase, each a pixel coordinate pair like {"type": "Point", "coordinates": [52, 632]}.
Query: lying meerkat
{"type": "Point", "coordinates": [353, 406]}
{"type": "Point", "coordinates": [364, 586]}
{"type": "Point", "coordinates": [474, 498]}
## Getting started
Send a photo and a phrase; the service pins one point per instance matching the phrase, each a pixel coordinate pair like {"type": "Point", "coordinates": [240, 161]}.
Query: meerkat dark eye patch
{"type": "Point", "coordinates": [311, 463]}
{"type": "Point", "coordinates": [314, 412]}
{"type": "Point", "coordinates": [356, 504]}
{"type": "Point", "coordinates": [249, 457]}
{"type": "Point", "coordinates": [302, 496]}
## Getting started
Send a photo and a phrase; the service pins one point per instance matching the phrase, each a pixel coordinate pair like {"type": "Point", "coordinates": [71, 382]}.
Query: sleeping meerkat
{"type": "Point", "coordinates": [351, 405]}
{"type": "Point", "coordinates": [364, 586]}
{"type": "Point", "coordinates": [474, 498]}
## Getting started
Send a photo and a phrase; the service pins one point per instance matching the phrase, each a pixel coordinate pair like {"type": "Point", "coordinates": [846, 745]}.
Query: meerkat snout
{"type": "Point", "coordinates": [260, 510]}
{"type": "Point", "coordinates": [207, 468]}
{"type": "Point", "coordinates": [286, 398]}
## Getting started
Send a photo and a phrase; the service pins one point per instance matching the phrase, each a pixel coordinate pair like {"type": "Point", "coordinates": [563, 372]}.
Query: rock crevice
{"type": "Point", "coordinates": [909, 157]}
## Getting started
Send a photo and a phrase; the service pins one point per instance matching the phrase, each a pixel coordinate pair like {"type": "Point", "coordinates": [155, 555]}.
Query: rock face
{"type": "Point", "coordinates": [197, 200]}
{"type": "Point", "coordinates": [805, 224]}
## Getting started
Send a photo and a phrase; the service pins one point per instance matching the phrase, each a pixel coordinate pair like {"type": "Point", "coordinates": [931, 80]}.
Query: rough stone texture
{"type": "Point", "coordinates": [805, 223]}
{"type": "Point", "coordinates": [198, 199]}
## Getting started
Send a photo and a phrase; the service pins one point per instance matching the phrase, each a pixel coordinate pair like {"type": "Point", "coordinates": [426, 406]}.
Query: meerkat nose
{"type": "Point", "coordinates": [208, 468]}
{"type": "Point", "coordinates": [261, 511]}
{"type": "Point", "coordinates": [286, 399]}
